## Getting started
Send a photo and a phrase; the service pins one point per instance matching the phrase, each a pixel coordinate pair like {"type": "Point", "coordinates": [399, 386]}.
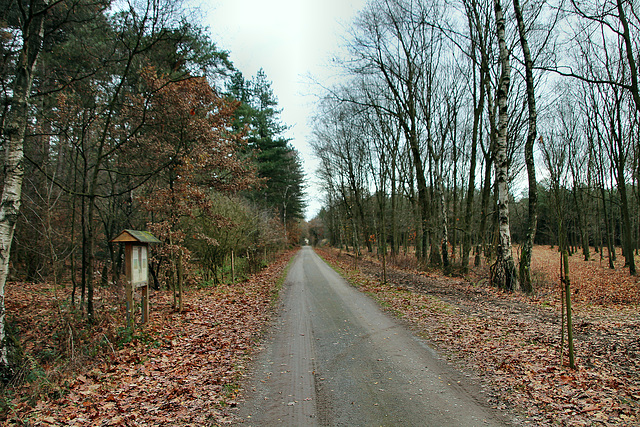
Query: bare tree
{"type": "Point", "coordinates": [479, 67]}
{"type": "Point", "coordinates": [503, 274]}
{"type": "Point", "coordinates": [527, 246]}
{"type": "Point", "coordinates": [393, 40]}
{"type": "Point", "coordinates": [606, 38]}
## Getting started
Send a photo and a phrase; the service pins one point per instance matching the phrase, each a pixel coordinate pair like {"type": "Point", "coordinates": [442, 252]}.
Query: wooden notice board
{"type": "Point", "coordinates": [136, 267]}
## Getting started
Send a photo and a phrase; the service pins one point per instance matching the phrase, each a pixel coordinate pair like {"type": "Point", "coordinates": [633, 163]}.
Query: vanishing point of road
{"type": "Point", "coordinates": [334, 358]}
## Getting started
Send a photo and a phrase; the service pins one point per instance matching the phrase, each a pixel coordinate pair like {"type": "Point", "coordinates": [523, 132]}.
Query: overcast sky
{"type": "Point", "coordinates": [290, 40]}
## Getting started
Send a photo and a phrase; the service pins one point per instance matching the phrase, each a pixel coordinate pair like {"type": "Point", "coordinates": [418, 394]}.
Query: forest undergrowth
{"type": "Point", "coordinates": [179, 369]}
{"type": "Point", "coordinates": [511, 342]}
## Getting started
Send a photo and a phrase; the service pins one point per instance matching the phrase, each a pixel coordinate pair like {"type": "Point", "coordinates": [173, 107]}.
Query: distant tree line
{"type": "Point", "coordinates": [450, 109]}
{"type": "Point", "coordinates": [121, 115]}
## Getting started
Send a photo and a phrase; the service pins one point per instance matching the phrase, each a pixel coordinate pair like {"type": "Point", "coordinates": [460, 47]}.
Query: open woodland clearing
{"type": "Point", "coordinates": [512, 342]}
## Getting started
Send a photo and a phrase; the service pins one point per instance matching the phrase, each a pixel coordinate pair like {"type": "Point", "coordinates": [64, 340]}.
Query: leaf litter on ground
{"type": "Point", "coordinates": [184, 368]}
{"type": "Point", "coordinates": [511, 342]}
{"type": "Point", "coordinates": [179, 369]}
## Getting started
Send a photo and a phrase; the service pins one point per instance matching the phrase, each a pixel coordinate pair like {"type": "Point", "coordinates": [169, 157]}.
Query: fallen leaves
{"type": "Point", "coordinates": [595, 283]}
{"type": "Point", "coordinates": [512, 342]}
{"type": "Point", "coordinates": [181, 369]}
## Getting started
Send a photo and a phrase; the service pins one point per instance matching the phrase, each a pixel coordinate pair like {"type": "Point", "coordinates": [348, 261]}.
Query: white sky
{"type": "Point", "coordinates": [291, 40]}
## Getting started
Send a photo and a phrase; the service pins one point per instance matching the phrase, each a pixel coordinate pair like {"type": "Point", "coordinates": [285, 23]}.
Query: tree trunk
{"type": "Point", "coordinates": [423, 203]}
{"type": "Point", "coordinates": [154, 276]}
{"type": "Point", "coordinates": [621, 160]}
{"type": "Point", "coordinates": [394, 206]}
{"type": "Point", "coordinates": [567, 293]}
{"type": "Point", "coordinates": [629, 51]}
{"type": "Point", "coordinates": [582, 222]}
{"type": "Point", "coordinates": [626, 220]}
{"type": "Point", "coordinates": [468, 215]}
{"type": "Point", "coordinates": [14, 132]}
{"type": "Point", "coordinates": [455, 213]}
{"type": "Point", "coordinates": [484, 211]}
{"type": "Point", "coordinates": [382, 244]}
{"type": "Point", "coordinates": [417, 218]}
{"type": "Point", "coordinates": [503, 271]}
{"type": "Point", "coordinates": [74, 201]}
{"type": "Point", "coordinates": [489, 158]}
{"type": "Point", "coordinates": [444, 240]}
{"type": "Point", "coordinates": [180, 284]}
{"type": "Point", "coordinates": [91, 240]}
{"type": "Point", "coordinates": [610, 246]}
{"type": "Point", "coordinates": [527, 246]}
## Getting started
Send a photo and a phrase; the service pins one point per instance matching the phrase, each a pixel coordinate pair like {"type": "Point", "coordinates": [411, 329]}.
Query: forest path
{"type": "Point", "coordinates": [335, 358]}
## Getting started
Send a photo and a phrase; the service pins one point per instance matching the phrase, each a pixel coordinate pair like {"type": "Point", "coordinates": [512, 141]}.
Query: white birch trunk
{"type": "Point", "coordinates": [13, 135]}
{"type": "Point", "coordinates": [503, 271]}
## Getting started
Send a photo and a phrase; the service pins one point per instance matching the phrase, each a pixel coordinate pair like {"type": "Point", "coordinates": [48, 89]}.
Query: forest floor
{"type": "Point", "coordinates": [512, 342]}
{"type": "Point", "coordinates": [186, 368]}
{"type": "Point", "coordinates": [179, 369]}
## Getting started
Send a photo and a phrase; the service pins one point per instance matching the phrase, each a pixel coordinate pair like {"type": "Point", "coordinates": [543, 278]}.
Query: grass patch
{"type": "Point", "coordinates": [275, 292]}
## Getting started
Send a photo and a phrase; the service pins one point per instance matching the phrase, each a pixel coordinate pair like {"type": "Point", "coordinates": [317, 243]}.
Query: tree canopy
{"type": "Point", "coordinates": [133, 118]}
{"type": "Point", "coordinates": [278, 163]}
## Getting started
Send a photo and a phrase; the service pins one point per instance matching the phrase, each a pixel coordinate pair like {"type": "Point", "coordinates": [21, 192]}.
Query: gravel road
{"type": "Point", "coordinates": [334, 358]}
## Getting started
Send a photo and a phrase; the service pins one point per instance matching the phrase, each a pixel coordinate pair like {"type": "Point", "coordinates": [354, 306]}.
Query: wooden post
{"type": "Point", "coordinates": [128, 248]}
{"type": "Point", "coordinates": [233, 267]}
{"type": "Point", "coordinates": [145, 303]}
{"type": "Point", "coordinates": [567, 291]}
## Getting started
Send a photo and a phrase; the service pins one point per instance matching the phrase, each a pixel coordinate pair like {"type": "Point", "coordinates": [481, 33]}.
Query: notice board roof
{"type": "Point", "coordinates": [135, 236]}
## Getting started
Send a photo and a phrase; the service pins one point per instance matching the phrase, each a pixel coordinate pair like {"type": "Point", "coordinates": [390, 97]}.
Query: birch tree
{"type": "Point", "coordinates": [503, 271]}
{"type": "Point", "coordinates": [30, 23]}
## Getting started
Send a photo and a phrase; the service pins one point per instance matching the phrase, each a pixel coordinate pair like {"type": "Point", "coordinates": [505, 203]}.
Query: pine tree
{"type": "Point", "coordinates": [278, 163]}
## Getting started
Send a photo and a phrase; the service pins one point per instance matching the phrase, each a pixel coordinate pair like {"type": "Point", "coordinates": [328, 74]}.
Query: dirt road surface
{"type": "Point", "coordinates": [335, 359]}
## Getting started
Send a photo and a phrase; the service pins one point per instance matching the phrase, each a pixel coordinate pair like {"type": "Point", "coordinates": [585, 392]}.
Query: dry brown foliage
{"type": "Point", "coordinates": [512, 342]}
{"type": "Point", "coordinates": [179, 369]}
